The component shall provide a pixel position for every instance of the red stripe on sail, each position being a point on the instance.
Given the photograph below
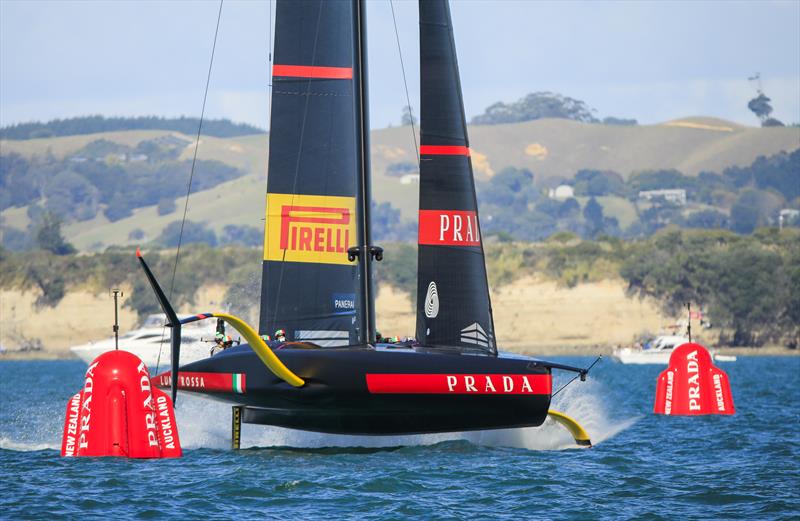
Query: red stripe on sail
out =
(443, 150)
(309, 71)
(459, 383)
(449, 228)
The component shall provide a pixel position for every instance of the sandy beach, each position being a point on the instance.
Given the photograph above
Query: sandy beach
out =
(532, 316)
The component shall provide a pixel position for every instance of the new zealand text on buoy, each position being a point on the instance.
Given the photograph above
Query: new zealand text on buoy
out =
(119, 413)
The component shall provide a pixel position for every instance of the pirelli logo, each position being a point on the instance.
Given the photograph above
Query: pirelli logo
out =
(309, 228)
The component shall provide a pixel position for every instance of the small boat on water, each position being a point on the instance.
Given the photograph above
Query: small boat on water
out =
(658, 351)
(152, 344)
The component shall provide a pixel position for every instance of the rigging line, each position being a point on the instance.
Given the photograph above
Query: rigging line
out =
(269, 78)
(266, 151)
(405, 83)
(191, 173)
(579, 375)
(564, 386)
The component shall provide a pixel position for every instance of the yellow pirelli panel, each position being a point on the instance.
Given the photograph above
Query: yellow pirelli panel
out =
(309, 228)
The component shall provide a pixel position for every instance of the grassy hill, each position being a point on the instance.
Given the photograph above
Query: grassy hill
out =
(553, 149)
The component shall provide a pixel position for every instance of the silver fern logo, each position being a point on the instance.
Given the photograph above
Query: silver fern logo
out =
(432, 301)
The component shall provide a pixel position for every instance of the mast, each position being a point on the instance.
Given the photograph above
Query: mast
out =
(363, 191)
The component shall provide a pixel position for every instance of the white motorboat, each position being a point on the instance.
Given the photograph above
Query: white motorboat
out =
(151, 343)
(658, 351)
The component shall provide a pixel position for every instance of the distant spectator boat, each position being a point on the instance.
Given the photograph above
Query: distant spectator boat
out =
(147, 341)
(658, 351)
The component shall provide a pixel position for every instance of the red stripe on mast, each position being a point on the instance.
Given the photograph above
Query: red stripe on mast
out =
(309, 71)
(443, 150)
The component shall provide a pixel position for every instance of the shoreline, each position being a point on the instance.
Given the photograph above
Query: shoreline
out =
(541, 351)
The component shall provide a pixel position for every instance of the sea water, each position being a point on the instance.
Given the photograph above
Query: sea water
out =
(745, 466)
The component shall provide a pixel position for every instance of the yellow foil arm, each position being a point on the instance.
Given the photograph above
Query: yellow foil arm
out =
(574, 428)
(263, 351)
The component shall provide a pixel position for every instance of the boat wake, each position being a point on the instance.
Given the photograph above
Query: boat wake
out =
(7, 443)
(200, 427)
(32, 428)
(206, 424)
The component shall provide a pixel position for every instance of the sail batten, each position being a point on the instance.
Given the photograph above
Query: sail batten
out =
(453, 306)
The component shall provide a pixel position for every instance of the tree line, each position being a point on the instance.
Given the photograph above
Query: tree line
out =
(538, 105)
(746, 285)
(740, 199)
(96, 124)
(103, 178)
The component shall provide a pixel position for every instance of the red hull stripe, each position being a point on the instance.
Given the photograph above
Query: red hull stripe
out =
(442, 150)
(208, 382)
(308, 71)
(459, 383)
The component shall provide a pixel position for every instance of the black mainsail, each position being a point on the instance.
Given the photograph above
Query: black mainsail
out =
(315, 188)
(453, 306)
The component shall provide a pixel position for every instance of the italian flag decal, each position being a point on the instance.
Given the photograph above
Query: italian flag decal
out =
(238, 383)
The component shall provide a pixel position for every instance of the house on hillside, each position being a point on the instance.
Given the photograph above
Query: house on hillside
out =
(671, 195)
(561, 192)
(788, 217)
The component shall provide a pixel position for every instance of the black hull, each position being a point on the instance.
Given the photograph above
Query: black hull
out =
(337, 399)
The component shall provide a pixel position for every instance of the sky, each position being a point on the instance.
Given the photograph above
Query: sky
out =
(649, 60)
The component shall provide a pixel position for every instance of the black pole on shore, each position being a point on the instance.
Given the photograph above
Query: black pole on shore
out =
(117, 293)
(689, 322)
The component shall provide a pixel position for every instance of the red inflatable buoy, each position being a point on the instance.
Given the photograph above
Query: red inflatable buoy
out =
(119, 413)
(692, 385)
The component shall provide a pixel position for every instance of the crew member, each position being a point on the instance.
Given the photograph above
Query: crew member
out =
(219, 343)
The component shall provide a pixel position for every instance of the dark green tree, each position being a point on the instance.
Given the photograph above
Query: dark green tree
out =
(193, 232)
(70, 195)
(408, 117)
(166, 205)
(708, 219)
(749, 211)
(50, 238)
(593, 213)
(599, 182)
(657, 180)
(537, 105)
(569, 208)
(760, 106)
(243, 235)
(750, 289)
